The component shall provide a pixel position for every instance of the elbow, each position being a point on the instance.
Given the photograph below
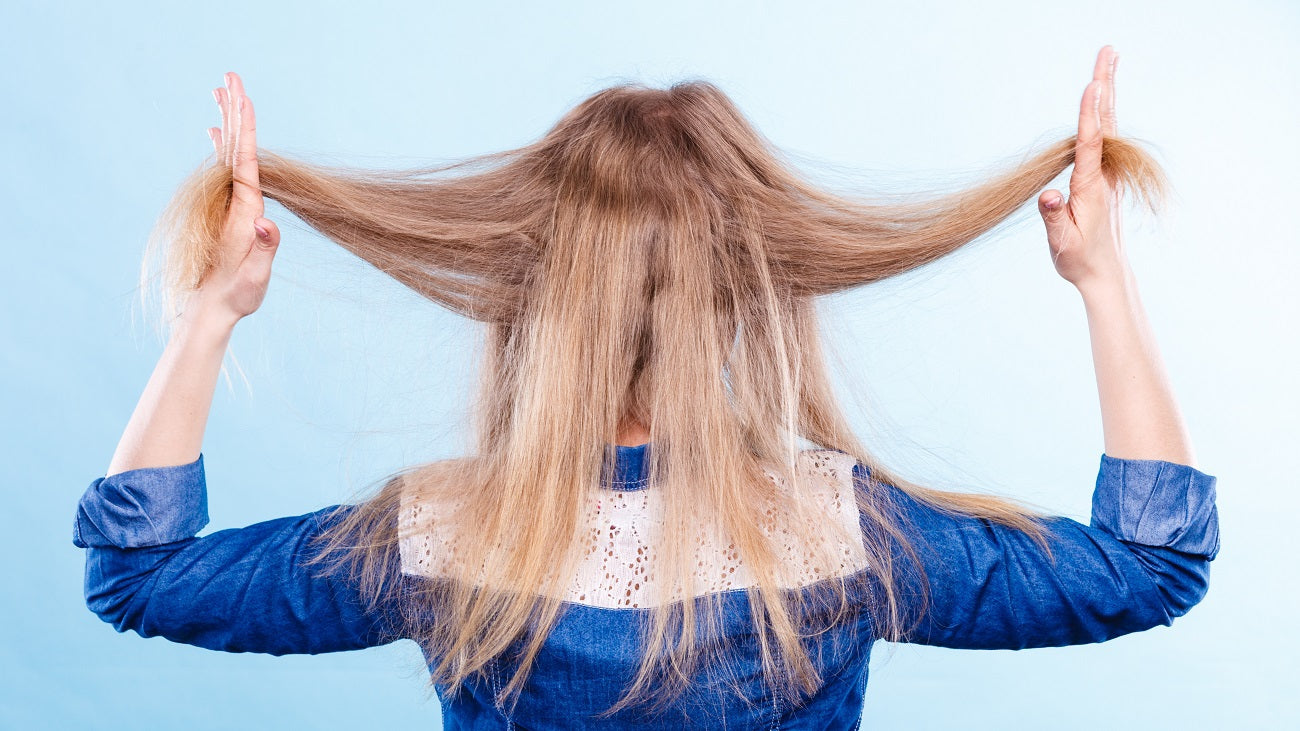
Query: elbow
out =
(109, 607)
(111, 594)
(1182, 579)
(1166, 515)
(1185, 587)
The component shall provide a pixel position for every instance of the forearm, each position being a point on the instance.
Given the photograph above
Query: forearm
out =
(167, 425)
(1140, 417)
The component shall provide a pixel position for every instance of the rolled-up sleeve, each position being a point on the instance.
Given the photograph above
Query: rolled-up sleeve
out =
(143, 507)
(235, 590)
(1142, 561)
(1156, 503)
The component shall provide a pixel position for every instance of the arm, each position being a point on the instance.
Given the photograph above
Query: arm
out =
(243, 590)
(166, 428)
(1142, 561)
(235, 590)
(1140, 417)
(1144, 558)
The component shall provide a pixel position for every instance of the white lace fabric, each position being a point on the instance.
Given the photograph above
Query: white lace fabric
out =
(621, 528)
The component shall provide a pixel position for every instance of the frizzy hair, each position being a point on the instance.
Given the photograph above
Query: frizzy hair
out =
(651, 257)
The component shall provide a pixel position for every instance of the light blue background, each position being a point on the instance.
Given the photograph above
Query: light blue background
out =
(975, 373)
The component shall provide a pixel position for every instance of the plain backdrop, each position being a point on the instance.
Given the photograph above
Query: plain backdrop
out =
(973, 373)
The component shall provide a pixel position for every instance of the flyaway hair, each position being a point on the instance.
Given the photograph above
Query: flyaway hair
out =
(651, 257)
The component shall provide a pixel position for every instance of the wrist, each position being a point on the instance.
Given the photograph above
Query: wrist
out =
(205, 322)
(1115, 281)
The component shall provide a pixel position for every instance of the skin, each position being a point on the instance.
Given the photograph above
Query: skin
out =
(632, 433)
(1140, 417)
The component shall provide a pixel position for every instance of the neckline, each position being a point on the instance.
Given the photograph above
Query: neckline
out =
(626, 467)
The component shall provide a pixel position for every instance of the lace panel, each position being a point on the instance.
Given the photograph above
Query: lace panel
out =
(621, 528)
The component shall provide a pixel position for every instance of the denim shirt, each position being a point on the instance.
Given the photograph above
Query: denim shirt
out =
(1142, 561)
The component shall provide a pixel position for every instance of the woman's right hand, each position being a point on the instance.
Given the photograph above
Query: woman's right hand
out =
(1085, 233)
(236, 285)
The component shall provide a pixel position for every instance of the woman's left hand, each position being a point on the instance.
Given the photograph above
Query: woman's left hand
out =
(236, 285)
(1085, 233)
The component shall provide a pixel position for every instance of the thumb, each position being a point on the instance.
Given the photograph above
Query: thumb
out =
(268, 234)
(263, 249)
(1051, 204)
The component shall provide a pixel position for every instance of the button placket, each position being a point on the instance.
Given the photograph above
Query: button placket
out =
(495, 680)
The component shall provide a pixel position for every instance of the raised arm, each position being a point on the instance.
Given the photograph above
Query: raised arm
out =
(1144, 557)
(241, 589)
(166, 428)
(1140, 417)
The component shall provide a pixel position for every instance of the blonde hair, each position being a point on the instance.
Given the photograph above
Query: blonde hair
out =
(650, 258)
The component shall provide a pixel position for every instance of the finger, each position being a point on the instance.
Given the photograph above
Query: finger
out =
(1109, 125)
(1086, 177)
(231, 130)
(263, 250)
(1101, 66)
(232, 111)
(247, 189)
(215, 132)
(222, 101)
(1051, 204)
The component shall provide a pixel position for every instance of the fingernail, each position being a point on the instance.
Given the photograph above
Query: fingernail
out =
(227, 79)
(1053, 204)
(217, 95)
(261, 231)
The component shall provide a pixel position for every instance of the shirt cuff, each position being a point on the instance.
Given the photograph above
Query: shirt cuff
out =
(149, 506)
(1157, 503)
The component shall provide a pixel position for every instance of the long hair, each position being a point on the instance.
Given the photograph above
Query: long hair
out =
(652, 257)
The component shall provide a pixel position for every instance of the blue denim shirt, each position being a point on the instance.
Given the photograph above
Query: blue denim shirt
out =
(1142, 561)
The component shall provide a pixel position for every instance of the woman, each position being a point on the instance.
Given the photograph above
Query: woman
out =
(667, 521)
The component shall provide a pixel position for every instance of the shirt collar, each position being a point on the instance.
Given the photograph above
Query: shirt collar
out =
(626, 468)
